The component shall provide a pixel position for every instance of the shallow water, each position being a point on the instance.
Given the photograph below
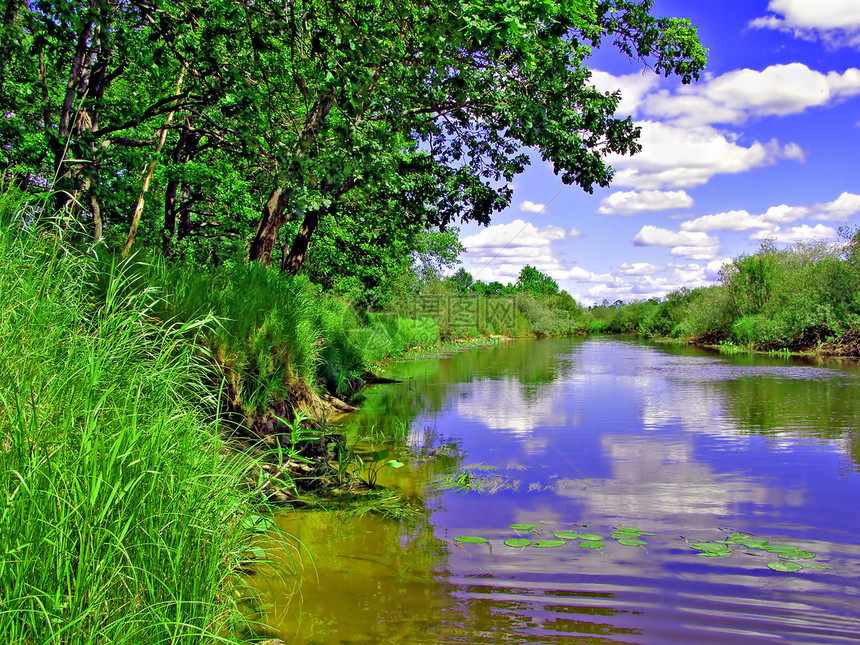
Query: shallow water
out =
(585, 436)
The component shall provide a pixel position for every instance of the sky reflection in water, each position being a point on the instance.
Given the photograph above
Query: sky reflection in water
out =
(600, 433)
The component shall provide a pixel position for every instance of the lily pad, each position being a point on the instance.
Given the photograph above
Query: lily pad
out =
(711, 547)
(715, 554)
(548, 544)
(257, 523)
(781, 565)
(517, 542)
(813, 566)
(625, 534)
(631, 542)
(471, 539)
(525, 527)
(592, 544)
(798, 555)
(589, 536)
(633, 529)
(567, 535)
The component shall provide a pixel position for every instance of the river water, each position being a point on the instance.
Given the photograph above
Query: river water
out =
(583, 436)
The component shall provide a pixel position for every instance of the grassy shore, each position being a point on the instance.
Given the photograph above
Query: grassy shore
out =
(120, 520)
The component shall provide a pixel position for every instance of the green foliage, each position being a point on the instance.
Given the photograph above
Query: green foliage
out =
(121, 515)
(533, 281)
(367, 134)
(799, 297)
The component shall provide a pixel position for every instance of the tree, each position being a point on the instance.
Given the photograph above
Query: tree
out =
(453, 90)
(533, 281)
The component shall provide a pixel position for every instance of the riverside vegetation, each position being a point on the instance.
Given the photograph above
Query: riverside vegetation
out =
(802, 298)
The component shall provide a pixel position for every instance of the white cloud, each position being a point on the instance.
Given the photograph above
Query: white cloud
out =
(784, 214)
(654, 236)
(796, 234)
(532, 207)
(629, 202)
(578, 274)
(739, 95)
(729, 221)
(679, 157)
(836, 22)
(633, 88)
(839, 210)
(575, 234)
(688, 244)
(500, 251)
(639, 268)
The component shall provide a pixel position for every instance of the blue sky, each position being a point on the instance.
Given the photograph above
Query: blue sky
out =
(764, 146)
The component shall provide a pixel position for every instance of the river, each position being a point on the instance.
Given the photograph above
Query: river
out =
(736, 478)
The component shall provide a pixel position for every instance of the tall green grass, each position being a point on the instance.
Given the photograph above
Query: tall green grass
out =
(118, 521)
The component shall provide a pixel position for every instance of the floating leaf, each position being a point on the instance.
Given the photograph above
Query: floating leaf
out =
(257, 523)
(525, 527)
(393, 463)
(738, 536)
(471, 539)
(716, 554)
(813, 566)
(753, 543)
(798, 555)
(626, 534)
(631, 542)
(517, 542)
(592, 544)
(589, 536)
(710, 547)
(548, 544)
(567, 535)
(781, 565)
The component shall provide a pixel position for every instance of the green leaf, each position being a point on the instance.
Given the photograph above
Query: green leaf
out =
(548, 544)
(567, 535)
(393, 463)
(798, 555)
(631, 542)
(711, 547)
(525, 527)
(517, 542)
(781, 565)
(256, 552)
(588, 536)
(471, 539)
(592, 544)
(257, 523)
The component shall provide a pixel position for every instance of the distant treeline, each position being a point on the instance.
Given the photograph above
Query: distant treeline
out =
(797, 298)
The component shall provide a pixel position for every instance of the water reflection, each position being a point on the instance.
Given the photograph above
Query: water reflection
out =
(687, 444)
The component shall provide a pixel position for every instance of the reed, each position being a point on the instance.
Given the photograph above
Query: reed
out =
(119, 511)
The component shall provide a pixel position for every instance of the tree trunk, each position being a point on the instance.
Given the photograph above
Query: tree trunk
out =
(274, 216)
(138, 209)
(293, 262)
